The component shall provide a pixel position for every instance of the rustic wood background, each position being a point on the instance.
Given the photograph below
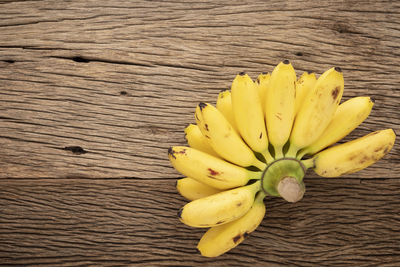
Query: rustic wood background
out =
(92, 93)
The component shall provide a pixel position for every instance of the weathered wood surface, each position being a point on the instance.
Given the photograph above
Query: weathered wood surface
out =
(92, 93)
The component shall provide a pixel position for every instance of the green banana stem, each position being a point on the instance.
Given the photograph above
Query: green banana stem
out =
(301, 154)
(260, 165)
(284, 177)
(268, 157)
(292, 152)
(308, 163)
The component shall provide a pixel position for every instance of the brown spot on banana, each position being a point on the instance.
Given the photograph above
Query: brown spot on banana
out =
(202, 105)
(260, 135)
(171, 152)
(237, 238)
(386, 150)
(180, 213)
(206, 127)
(335, 93)
(213, 172)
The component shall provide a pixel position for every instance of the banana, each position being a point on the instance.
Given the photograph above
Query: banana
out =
(262, 83)
(223, 138)
(191, 189)
(197, 140)
(208, 169)
(226, 176)
(304, 85)
(317, 110)
(280, 105)
(248, 114)
(348, 116)
(354, 155)
(220, 239)
(220, 208)
(224, 105)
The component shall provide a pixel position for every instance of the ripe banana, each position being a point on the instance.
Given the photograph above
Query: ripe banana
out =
(224, 105)
(348, 116)
(224, 168)
(220, 208)
(208, 169)
(280, 105)
(248, 114)
(304, 85)
(197, 140)
(223, 139)
(354, 155)
(220, 239)
(317, 110)
(262, 83)
(192, 189)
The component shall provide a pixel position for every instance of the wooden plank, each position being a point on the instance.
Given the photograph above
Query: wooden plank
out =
(92, 93)
(74, 222)
(121, 79)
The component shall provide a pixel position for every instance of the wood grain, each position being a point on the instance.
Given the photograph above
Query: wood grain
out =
(92, 93)
(119, 222)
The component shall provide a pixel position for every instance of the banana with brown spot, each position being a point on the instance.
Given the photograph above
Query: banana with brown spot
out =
(317, 110)
(354, 155)
(220, 239)
(208, 169)
(280, 105)
(220, 208)
(348, 116)
(223, 138)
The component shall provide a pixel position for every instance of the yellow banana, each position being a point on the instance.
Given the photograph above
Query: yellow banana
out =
(280, 105)
(208, 169)
(224, 105)
(220, 239)
(223, 138)
(262, 83)
(317, 110)
(220, 208)
(197, 140)
(354, 155)
(348, 116)
(248, 114)
(304, 85)
(191, 189)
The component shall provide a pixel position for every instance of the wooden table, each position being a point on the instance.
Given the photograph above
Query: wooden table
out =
(92, 94)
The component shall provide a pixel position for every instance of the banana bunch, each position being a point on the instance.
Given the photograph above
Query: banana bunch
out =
(259, 140)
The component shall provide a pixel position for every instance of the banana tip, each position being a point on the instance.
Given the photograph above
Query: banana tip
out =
(338, 69)
(180, 213)
(202, 105)
(286, 62)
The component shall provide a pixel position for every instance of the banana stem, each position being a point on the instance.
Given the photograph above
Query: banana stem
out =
(292, 151)
(278, 152)
(260, 165)
(308, 163)
(301, 154)
(284, 177)
(290, 189)
(260, 196)
(268, 156)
